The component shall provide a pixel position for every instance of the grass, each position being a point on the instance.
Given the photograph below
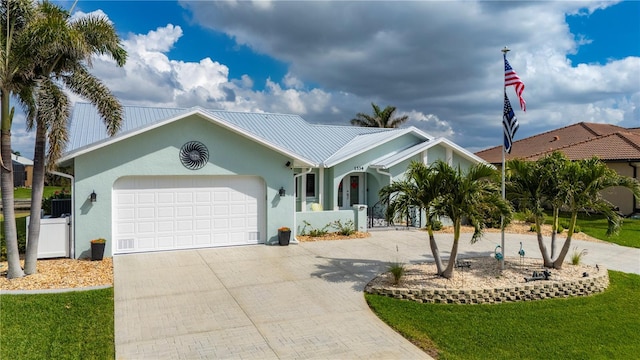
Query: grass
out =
(25, 193)
(596, 226)
(603, 326)
(74, 325)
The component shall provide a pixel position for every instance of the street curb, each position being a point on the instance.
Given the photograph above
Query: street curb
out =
(52, 291)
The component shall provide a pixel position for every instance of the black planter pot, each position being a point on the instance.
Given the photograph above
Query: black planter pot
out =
(284, 237)
(97, 251)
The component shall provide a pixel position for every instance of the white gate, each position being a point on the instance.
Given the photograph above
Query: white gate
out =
(54, 237)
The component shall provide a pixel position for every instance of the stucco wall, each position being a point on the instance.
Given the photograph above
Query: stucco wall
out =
(620, 196)
(155, 152)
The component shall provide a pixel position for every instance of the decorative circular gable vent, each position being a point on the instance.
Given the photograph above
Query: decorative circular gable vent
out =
(194, 155)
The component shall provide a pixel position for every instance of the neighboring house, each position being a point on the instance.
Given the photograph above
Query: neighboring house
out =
(189, 178)
(22, 171)
(618, 147)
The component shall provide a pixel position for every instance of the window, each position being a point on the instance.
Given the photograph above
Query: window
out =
(310, 187)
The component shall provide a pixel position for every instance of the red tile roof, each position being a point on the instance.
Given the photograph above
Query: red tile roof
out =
(577, 141)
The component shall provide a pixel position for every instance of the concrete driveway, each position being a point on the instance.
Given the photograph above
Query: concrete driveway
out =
(270, 302)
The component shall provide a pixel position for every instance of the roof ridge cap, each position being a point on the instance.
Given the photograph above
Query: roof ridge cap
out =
(569, 145)
(618, 133)
(622, 135)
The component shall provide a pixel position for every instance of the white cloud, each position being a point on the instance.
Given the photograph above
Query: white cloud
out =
(438, 62)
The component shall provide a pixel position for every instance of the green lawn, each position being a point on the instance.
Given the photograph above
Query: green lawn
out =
(596, 226)
(25, 193)
(603, 326)
(74, 325)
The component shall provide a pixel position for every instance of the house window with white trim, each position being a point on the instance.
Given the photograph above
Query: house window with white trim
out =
(310, 186)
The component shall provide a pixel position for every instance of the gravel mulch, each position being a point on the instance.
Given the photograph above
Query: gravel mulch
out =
(61, 274)
(483, 273)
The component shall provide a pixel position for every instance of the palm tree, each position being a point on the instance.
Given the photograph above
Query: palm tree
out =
(555, 174)
(583, 193)
(64, 53)
(557, 182)
(381, 119)
(525, 187)
(441, 190)
(420, 188)
(16, 78)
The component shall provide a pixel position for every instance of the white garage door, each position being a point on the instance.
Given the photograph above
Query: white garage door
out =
(183, 212)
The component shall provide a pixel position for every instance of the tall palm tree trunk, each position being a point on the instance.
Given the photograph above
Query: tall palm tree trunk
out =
(37, 191)
(434, 250)
(547, 262)
(448, 272)
(557, 263)
(6, 180)
(554, 230)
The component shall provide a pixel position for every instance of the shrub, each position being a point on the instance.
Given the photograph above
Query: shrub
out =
(576, 257)
(576, 229)
(560, 229)
(46, 202)
(532, 228)
(436, 225)
(313, 232)
(529, 216)
(21, 227)
(397, 270)
(347, 229)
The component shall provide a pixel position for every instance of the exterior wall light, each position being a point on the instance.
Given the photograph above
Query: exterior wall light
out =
(282, 192)
(93, 197)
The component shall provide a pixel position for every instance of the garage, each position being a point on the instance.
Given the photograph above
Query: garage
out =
(155, 213)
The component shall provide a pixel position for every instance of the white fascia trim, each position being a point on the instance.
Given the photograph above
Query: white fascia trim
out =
(332, 163)
(416, 150)
(461, 151)
(429, 144)
(194, 111)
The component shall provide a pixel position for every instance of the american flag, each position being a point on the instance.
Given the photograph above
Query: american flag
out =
(511, 78)
(510, 123)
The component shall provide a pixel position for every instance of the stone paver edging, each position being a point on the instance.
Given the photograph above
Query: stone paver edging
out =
(537, 290)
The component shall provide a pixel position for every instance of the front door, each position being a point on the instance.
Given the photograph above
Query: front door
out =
(351, 191)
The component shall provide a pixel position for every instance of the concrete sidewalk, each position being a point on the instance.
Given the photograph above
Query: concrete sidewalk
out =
(301, 301)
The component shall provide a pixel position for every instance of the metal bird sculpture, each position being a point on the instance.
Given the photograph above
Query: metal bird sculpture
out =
(521, 252)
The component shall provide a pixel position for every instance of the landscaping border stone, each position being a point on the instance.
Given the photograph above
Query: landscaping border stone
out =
(529, 291)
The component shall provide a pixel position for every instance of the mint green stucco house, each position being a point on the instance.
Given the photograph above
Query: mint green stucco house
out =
(190, 178)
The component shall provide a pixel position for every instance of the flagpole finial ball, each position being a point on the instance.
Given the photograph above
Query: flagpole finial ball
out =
(505, 50)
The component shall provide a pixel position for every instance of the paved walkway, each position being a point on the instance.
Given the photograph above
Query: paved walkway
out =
(269, 302)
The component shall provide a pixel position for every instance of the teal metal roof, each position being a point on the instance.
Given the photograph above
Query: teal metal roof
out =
(321, 144)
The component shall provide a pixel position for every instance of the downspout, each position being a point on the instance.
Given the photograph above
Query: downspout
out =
(72, 235)
(295, 179)
(384, 173)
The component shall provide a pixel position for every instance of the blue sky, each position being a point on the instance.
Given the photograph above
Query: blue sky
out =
(438, 62)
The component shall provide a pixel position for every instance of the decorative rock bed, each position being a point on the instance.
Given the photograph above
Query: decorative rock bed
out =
(508, 285)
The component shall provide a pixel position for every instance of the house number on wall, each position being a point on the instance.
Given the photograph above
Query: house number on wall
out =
(358, 168)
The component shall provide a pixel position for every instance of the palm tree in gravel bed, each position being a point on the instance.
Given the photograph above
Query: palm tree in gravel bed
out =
(443, 191)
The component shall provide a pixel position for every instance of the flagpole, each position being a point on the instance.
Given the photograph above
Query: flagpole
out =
(505, 50)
